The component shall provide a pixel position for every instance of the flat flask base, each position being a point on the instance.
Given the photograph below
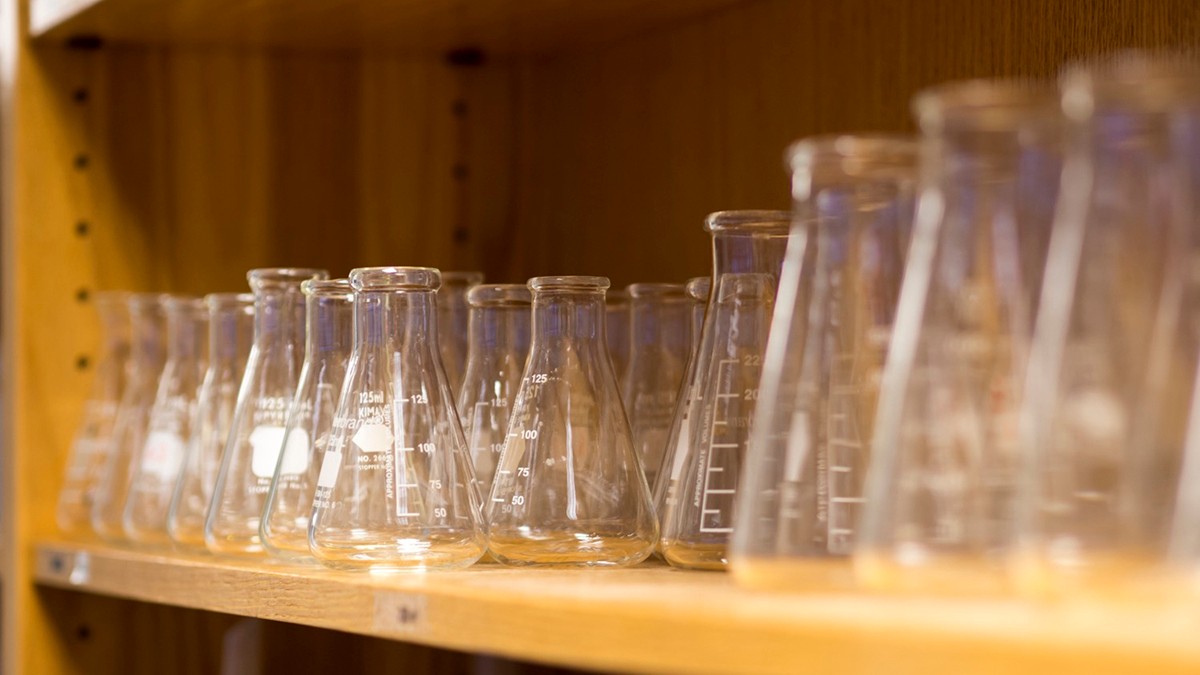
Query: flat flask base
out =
(290, 549)
(1114, 576)
(695, 556)
(794, 575)
(400, 556)
(954, 576)
(569, 549)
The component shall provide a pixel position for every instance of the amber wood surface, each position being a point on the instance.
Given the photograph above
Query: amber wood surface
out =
(651, 618)
(413, 26)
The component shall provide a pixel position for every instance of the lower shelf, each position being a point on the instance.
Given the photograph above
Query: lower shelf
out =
(650, 618)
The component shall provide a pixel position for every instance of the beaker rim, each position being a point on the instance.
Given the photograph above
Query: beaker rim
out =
(220, 300)
(568, 283)
(1143, 80)
(499, 295)
(652, 289)
(694, 286)
(455, 278)
(395, 278)
(750, 221)
(282, 277)
(179, 303)
(985, 105)
(855, 155)
(327, 288)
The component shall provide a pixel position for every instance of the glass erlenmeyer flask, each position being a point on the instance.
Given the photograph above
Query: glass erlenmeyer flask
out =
(330, 318)
(396, 490)
(230, 334)
(453, 313)
(748, 252)
(157, 462)
(944, 458)
(801, 492)
(256, 435)
(569, 489)
(675, 449)
(661, 341)
(147, 356)
(499, 328)
(1109, 382)
(616, 305)
(94, 438)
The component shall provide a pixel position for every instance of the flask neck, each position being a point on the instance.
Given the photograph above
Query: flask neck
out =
(402, 318)
(228, 336)
(981, 156)
(746, 253)
(499, 329)
(660, 324)
(576, 316)
(185, 332)
(330, 325)
(278, 317)
(146, 331)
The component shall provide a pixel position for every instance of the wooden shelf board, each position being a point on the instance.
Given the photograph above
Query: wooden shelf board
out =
(650, 618)
(419, 26)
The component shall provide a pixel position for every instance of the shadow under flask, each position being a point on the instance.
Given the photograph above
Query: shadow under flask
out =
(147, 356)
(660, 329)
(499, 326)
(330, 317)
(396, 490)
(675, 448)
(172, 420)
(1111, 376)
(748, 251)
(943, 473)
(256, 435)
(569, 489)
(93, 440)
(453, 312)
(230, 334)
(802, 487)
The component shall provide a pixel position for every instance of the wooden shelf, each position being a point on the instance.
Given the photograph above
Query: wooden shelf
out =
(496, 26)
(651, 618)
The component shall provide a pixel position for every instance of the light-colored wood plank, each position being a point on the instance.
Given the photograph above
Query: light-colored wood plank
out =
(412, 26)
(652, 618)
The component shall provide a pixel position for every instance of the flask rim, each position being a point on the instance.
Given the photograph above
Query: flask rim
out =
(184, 303)
(499, 295)
(985, 105)
(456, 279)
(656, 290)
(327, 288)
(749, 221)
(569, 283)
(395, 279)
(1148, 81)
(854, 155)
(216, 301)
(109, 298)
(146, 301)
(267, 278)
(694, 286)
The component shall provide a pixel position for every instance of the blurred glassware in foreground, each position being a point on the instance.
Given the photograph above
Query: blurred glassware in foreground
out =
(569, 488)
(230, 334)
(499, 345)
(147, 356)
(94, 437)
(256, 435)
(1114, 362)
(675, 445)
(802, 487)
(940, 489)
(396, 490)
(617, 331)
(748, 252)
(661, 341)
(453, 313)
(155, 465)
(329, 339)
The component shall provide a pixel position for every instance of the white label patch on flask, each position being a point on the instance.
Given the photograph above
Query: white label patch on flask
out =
(373, 438)
(162, 454)
(295, 453)
(330, 466)
(265, 442)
